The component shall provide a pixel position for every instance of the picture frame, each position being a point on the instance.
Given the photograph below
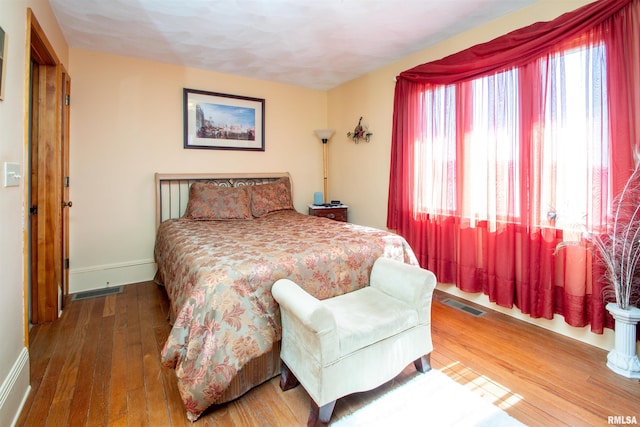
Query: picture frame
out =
(3, 60)
(220, 121)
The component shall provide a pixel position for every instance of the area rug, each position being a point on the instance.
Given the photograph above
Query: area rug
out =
(430, 399)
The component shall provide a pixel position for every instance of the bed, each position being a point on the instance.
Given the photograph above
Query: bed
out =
(221, 243)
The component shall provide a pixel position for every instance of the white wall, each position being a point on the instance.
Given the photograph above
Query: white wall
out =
(14, 372)
(14, 359)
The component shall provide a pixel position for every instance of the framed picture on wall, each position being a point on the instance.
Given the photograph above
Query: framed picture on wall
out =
(220, 121)
(3, 60)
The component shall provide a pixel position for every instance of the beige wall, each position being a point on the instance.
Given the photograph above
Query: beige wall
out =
(126, 124)
(359, 174)
(14, 359)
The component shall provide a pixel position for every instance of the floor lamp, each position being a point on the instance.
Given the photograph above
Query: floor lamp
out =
(324, 135)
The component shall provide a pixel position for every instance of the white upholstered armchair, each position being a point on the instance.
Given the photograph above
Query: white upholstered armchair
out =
(356, 341)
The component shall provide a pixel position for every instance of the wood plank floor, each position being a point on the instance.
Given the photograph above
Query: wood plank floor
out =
(99, 364)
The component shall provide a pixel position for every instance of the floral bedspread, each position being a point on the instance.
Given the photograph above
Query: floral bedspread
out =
(218, 276)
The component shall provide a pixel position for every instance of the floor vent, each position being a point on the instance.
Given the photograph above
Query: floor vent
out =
(463, 307)
(97, 293)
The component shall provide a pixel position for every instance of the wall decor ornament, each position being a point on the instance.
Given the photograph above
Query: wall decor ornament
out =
(360, 133)
(221, 121)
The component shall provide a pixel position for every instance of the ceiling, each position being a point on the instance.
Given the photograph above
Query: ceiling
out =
(318, 44)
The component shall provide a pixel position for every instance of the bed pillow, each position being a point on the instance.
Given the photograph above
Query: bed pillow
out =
(208, 201)
(272, 197)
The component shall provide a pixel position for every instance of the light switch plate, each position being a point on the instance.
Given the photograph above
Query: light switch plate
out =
(12, 174)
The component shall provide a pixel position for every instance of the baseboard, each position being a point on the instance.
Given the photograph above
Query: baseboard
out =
(557, 324)
(15, 390)
(104, 276)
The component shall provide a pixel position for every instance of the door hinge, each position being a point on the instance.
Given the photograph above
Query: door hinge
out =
(67, 100)
(33, 210)
(66, 263)
(66, 181)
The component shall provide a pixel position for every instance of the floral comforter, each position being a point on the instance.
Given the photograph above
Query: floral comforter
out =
(218, 276)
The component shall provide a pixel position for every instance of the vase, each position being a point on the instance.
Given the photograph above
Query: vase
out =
(623, 359)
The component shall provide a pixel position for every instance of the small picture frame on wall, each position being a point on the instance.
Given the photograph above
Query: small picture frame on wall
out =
(3, 60)
(220, 121)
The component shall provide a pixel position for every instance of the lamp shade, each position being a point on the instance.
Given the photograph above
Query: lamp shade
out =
(324, 134)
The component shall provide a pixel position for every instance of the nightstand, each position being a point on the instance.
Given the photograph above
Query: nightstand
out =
(335, 212)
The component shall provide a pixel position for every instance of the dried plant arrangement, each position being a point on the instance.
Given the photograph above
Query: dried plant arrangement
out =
(619, 247)
(618, 251)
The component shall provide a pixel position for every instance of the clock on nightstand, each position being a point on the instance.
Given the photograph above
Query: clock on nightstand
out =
(335, 212)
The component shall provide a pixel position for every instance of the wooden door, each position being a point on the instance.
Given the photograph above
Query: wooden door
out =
(34, 311)
(45, 171)
(65, 180)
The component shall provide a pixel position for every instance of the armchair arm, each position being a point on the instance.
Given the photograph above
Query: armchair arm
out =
(306, 317)
(306, 308)
(408, 283)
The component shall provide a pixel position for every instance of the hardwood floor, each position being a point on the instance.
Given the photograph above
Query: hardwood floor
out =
(99, 364)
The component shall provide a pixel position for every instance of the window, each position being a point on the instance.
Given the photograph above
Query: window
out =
(575, 138)
(498, 150)
(479, 130)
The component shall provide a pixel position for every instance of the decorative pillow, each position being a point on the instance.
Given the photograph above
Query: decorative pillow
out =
(267, 198)
(208, 201)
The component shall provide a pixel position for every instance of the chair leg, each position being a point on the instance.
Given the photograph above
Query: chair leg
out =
(321, 414)
(287, 379)
(423, 364)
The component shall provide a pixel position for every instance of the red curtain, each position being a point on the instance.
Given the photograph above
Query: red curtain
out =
(516, 48)
(513, 258)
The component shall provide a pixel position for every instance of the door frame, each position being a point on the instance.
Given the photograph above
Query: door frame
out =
(45, 288)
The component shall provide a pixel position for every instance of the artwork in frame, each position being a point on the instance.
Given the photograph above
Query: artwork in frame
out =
(221, 121)
(3, 60)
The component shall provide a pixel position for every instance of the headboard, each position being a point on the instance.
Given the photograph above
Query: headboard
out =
(172, 189)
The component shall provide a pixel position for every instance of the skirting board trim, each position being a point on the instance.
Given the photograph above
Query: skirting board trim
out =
(17, 382)
(110, 275)
(111, 266)
(557, 324)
